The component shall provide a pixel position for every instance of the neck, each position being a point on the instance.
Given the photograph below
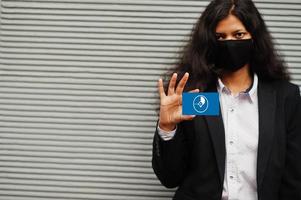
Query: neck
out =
(237, 81)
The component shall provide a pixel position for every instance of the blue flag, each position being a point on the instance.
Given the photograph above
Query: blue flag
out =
(204, 103)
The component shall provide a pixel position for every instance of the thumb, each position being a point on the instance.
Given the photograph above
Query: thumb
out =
(194, 91)
(188, 117)
(191, 91)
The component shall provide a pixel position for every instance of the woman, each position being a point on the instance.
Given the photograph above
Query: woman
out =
(252, 150)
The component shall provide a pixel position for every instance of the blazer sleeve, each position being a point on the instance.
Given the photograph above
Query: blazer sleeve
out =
(169, 159)
(291, 181)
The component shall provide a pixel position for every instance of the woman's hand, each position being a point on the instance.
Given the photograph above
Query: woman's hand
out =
(171, 104)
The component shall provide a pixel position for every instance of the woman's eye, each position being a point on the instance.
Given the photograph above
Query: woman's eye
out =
(219, 37)
(239, 35)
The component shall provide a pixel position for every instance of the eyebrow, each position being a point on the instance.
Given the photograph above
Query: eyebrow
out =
(239, 30)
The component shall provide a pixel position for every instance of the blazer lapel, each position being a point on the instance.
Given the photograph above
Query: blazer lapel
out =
(217, 132)
(216, 129)
(266, 109)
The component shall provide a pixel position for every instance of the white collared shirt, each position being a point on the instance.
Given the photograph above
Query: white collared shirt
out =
(240, 118)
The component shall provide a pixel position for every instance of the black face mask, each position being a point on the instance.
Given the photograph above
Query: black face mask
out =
(232, 55)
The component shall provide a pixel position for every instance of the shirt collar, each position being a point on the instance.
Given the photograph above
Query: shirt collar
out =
(249, 92)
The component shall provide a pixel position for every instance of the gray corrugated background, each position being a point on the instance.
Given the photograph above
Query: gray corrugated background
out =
(78, 91)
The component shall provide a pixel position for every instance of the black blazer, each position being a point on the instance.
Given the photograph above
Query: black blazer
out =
(194, 160)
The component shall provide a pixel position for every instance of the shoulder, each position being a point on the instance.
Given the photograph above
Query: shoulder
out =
(282, 88)
(286, 85)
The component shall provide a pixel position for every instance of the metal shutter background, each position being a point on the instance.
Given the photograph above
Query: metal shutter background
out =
(78, 91)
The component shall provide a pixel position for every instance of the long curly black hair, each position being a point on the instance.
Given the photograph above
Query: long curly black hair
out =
(197, 58)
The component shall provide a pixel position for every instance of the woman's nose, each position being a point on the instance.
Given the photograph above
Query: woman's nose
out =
(230, 38)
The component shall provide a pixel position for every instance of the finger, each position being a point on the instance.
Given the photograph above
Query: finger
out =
(172, 83)
(161, 88)
(181, 100)
(182, 83)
